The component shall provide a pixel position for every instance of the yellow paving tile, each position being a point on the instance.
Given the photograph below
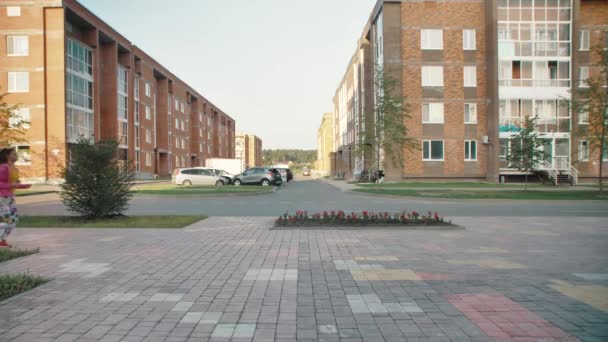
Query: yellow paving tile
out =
(385, 275)
(499, 264)
(377, 258)
(488, 250)
(593, 295)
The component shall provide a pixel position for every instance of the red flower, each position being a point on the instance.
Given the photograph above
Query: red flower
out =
(415, 214)
(436, 216)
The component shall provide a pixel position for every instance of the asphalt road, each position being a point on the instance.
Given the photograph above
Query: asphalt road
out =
(316, 196)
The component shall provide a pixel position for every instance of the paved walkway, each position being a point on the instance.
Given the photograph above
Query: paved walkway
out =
(233, 279)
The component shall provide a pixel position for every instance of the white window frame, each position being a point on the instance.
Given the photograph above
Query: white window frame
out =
(176, 123)
(431, 72)
(176, 104)
(23, 117)
(13, 11)
(472, 107)
(431, 151)
(584, 39)
(584, 114)
(148, 113)
(436, 113)
(469, 149)
(583, 76)
(19, 50)
(183, 125)
(469, 76)
(20, 161)
(148, 159)
(469, 37)
(182, 108)
(148, 136)
(431, 39)
(13, 77)
(148, 89)
(580, 150)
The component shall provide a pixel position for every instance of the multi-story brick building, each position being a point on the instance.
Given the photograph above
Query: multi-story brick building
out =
(470, 72)
(249, 150)
(325, 143)
(75, 76)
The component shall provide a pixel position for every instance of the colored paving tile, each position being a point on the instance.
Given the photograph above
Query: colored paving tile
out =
(488, 250)
(166, 297)
(371, 303)
(271, 274)
(592, 276)
(119, 297)
(501, 318)
(593, 295)
(499, 264)
(436, 276)
(377, 258)
(384, 275)
(353, 265)
(182, 306)
(234, 331)
(79, 266)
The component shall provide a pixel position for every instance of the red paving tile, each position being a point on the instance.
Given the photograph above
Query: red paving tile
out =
(503, 319)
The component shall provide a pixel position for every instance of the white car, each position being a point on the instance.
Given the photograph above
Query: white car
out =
(196, 176)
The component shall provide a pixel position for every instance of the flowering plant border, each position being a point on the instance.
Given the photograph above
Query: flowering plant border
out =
(339, 218)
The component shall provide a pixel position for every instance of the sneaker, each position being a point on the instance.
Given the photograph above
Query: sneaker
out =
(3, 243)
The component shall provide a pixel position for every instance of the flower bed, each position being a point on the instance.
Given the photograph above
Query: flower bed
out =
(338, 218)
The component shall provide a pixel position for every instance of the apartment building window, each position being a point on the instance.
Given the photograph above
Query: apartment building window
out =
(137, 161)
(470, 76)
(200, 147)
(137, 137)
(136, 109)
(123, 105)
(13, 11)
(431, 39)
(18, 81)
(470, 113)
(24, 154)
(183, 125)
(182, 107)
(79, 58)
(148, 113)
(148, 159)
(504, 149)
(432, 150)
(17, 45)
(583, 77)
(148, 136)
(584, 40)
(176, 104)
(176, 142)
(183, 144)
(200, 132)
(468, 40)
(148, 89)
(136, 88)
(176, 123)
(470, 150)
(583, 150)
(21, 117)
(432, 76)
(583, 116)
(432, 113)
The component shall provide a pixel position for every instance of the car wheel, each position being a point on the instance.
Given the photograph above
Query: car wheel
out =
(265, 182)
(187, 183)
(219, 183)
(237, 182)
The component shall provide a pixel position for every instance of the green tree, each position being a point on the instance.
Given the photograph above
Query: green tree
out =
(525, 153)
(97, 184)
(593, 100)
(12, 126)
(390, 134)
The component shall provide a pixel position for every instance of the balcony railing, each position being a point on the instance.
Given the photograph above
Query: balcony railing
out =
(544, 125)
(534, 83)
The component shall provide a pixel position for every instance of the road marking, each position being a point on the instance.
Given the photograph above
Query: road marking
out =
(583, 211)
(286, 202)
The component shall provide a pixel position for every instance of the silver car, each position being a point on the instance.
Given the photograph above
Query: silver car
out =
(196, 176)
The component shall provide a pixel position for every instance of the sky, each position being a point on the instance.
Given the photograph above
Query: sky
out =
(272, 65)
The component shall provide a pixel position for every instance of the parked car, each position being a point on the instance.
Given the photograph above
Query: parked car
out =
(284, 169)
(196, 176)
(259, 175)
(283, 173)
(224, 175)
(305, 172)
(289, 175)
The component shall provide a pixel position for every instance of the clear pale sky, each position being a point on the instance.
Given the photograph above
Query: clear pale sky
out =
(273, 65)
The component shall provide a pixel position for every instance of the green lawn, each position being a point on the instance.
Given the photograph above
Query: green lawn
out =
(7, 254)
(442, 185)
(11, 285)
(173, 190)
(489, 194)
(176, 222)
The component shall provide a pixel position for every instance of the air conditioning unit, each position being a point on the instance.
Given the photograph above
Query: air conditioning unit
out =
(485, 140)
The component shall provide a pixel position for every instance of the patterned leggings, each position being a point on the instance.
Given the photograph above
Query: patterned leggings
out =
(8, 216)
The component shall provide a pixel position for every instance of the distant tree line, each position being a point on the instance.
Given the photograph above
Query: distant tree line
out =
(285, 156)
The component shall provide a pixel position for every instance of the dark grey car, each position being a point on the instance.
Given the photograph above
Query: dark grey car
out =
(259, 176)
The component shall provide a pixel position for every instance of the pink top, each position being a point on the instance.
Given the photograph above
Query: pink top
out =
(5, 183)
